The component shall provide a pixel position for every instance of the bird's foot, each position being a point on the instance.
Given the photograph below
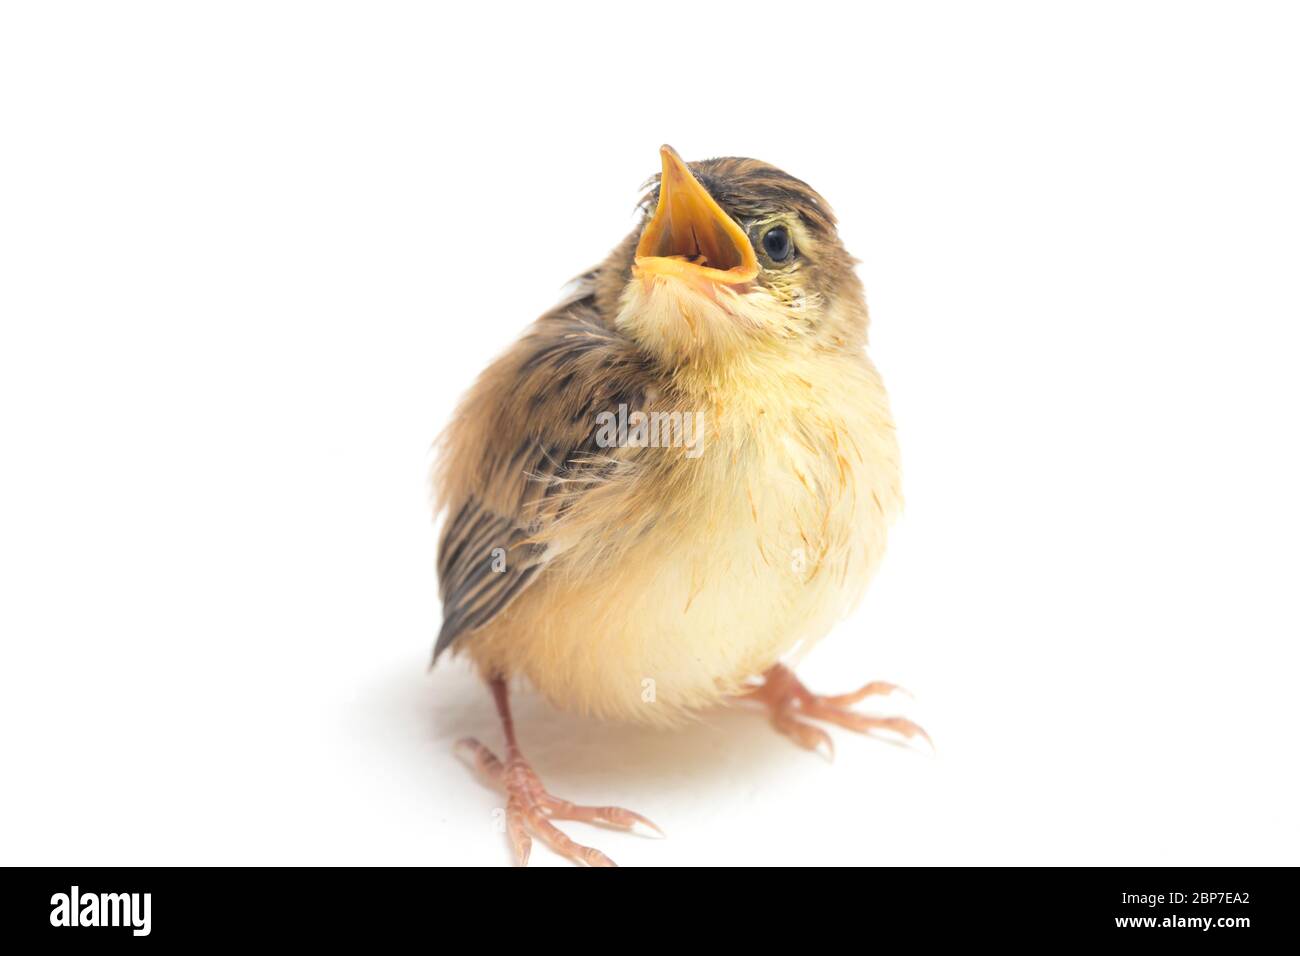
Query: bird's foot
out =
(790, 702)
(530, 807)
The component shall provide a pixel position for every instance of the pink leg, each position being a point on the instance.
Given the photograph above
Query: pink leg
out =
(530, 807)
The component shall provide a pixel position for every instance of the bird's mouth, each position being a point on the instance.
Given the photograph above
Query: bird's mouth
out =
(690, 236)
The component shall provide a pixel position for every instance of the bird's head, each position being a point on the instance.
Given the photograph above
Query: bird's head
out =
(734, 259)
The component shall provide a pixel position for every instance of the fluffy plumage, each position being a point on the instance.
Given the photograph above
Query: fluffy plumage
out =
(644, 583)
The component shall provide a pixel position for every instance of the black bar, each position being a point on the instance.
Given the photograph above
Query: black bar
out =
(1221, 907)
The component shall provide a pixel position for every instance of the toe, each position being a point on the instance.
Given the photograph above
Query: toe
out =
(806, 735)
(558, 841)
(874, 689)
(865, 723)
(484, 761)
(618, 817)
(517, 829)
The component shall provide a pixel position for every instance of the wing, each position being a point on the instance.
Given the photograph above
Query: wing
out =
(521, 454)
(485, 560)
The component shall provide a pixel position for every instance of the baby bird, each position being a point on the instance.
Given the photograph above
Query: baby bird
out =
(673, 480)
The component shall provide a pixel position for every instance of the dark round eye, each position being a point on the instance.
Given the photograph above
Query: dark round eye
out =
(777, 244)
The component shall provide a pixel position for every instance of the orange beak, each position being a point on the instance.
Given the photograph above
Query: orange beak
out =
(690, 236)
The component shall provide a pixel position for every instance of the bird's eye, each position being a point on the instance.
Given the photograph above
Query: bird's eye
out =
(777, 244)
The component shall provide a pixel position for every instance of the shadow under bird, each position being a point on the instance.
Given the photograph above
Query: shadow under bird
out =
(673, 481)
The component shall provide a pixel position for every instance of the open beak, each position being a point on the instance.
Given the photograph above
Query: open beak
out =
(689, 235)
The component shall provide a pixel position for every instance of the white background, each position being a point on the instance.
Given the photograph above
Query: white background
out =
(250, 254)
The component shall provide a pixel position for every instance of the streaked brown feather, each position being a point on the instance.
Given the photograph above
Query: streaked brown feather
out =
(509, 491)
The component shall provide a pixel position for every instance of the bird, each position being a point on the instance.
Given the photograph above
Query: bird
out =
(675, 482)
